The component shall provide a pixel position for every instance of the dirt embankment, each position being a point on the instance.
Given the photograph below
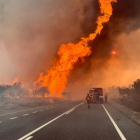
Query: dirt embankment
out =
(130, 108)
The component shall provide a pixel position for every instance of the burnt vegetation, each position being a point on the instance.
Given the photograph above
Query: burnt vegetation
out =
(17, 91)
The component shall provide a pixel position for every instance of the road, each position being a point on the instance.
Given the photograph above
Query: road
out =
(68, 121)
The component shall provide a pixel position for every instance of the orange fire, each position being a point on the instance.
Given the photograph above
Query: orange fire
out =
(15, 80)
(57, 77)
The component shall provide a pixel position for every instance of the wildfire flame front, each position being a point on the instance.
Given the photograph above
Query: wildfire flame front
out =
(57, 77)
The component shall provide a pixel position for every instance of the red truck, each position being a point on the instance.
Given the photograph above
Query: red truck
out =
(96, 95)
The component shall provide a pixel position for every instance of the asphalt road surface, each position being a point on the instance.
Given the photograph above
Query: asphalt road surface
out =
(68, 121)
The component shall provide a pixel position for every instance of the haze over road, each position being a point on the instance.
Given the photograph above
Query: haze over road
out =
(68, 121)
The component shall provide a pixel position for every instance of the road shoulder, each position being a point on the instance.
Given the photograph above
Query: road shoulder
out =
(133, 115)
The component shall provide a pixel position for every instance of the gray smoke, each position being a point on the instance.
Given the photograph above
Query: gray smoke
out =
(121, 33)
(32, 31)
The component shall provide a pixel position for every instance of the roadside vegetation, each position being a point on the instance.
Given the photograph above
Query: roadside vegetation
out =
(18, 91)
(17, 96)
(131, 95)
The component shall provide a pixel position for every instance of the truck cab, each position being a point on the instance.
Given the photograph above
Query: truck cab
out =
(96, 95)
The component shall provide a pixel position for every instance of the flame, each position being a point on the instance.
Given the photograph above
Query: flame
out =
(15, 80)
(57, 76)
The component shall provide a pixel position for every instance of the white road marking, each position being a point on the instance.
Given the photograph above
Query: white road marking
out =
(69, 111)
(115, 125)
(35, 112)
(22, 138)
(29, 138)
(13, 118)
(0, 121)
(25, 114)
(42, 110)
(19, 111)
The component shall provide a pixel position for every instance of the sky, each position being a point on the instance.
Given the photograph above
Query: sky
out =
(31, 32)
(8, 70)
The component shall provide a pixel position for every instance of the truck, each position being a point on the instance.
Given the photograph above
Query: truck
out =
(96, 93)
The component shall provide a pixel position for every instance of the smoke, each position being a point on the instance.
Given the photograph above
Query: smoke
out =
(121, 33)
(32, 31)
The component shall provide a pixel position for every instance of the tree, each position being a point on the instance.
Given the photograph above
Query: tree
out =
(123, 91)
(41, 91)
(136, 86)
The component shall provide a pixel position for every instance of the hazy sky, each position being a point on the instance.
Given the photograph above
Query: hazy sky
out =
(8, 70)
(31, 32)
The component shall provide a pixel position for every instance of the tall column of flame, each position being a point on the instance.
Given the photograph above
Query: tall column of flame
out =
(57, 77)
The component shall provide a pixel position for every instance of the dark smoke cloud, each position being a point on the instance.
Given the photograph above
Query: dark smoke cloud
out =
(32, 30)
(125, 19)
(102, 68)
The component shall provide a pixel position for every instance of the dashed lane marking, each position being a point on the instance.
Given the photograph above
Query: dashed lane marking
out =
(32, 132)
(115, 125)
(25, 114)
(13, 118)
(20, 111)
(35, 112)
(70, 111)
(29, 138)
